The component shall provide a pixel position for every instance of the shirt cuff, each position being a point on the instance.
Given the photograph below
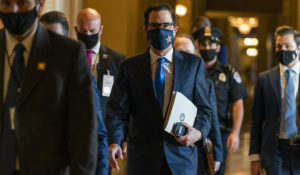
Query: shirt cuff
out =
(254, 157)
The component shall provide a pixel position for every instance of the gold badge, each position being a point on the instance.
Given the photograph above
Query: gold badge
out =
(222, 77)
(105, 56)
(41, 66)
(207, 31)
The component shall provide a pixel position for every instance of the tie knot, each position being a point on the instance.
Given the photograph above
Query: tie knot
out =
(89, 52)
(19, 48)
(289, 72)
(161, 60)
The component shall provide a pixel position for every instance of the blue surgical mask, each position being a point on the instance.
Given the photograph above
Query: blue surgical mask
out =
(160, 38)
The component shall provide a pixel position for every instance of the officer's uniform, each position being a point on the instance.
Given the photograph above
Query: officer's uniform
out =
(228, 88)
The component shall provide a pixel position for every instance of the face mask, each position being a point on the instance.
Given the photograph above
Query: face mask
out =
(89, 40)
(18, 23)
(160, 39)
(285, 57)
(208, 55)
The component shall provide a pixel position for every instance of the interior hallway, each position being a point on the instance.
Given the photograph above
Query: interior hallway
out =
(238, 163)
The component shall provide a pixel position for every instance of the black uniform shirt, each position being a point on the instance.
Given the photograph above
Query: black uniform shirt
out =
(228, 88)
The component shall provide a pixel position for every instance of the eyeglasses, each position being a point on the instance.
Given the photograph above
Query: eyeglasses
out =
(166, 25)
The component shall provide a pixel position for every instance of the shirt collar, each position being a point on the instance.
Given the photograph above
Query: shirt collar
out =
(11, 42)
(168, 56)
(96, 48)
(295, 68)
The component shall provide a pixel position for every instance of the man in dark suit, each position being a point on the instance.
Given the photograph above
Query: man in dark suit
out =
(58, 22)
(143, 89)
(185, 43)
(47, 109)
(275, 125)
(103, 60)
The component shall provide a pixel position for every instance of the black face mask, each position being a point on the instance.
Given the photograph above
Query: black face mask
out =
(285, 57)
(89, 40)
(208, 55)
(19, 23)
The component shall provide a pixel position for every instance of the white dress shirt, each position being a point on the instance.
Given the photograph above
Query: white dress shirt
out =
(168, 70)
(283, 78)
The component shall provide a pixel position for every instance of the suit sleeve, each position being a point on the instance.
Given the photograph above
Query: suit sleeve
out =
(81, 121)
(257, 118)
(215, 134)
(203, 118)
(102, 162)
(117, 109)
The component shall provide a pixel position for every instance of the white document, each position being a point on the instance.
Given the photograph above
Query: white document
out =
(181, 109)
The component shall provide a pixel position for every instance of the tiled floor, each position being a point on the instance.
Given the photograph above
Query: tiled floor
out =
(238, 162)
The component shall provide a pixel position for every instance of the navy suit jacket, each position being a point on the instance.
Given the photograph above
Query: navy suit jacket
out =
(102, 165)
(109, 60)
(266, 116)
(133, 93)
(215, 133)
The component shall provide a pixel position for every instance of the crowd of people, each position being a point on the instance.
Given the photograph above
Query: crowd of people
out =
(74, 107)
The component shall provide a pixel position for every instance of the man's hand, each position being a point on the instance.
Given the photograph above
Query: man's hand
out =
(255, 168)
(125, 149)
(217, 166)
(114, 149)
(233, 142)
(192, 135)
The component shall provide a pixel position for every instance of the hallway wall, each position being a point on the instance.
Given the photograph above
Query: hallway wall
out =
(120, 21)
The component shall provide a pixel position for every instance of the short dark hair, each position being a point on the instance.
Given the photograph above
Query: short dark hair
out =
(201, 22)
(186, 36)
(159, 7)
(287, 30)
(56, 17)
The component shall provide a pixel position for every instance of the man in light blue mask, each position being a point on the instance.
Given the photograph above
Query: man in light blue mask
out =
(143, 89)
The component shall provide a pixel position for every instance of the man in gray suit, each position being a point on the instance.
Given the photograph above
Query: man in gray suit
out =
(47, 109)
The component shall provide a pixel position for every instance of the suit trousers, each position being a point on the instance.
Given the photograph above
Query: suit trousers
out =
(164, 169)
(224, 137)
(286, 161)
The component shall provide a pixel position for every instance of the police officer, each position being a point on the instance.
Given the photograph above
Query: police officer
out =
(229, 90)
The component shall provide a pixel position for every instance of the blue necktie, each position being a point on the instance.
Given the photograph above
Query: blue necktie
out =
(160, 82)
(8, 146)
(290, 106)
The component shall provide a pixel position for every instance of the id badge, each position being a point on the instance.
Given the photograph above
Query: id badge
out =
(108, 82)
(12, 113)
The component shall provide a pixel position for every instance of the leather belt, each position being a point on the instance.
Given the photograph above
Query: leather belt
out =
(291, 142)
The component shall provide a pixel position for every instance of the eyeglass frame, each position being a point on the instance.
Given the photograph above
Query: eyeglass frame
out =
(160, 25)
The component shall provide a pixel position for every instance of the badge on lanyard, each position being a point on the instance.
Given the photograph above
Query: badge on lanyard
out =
(108, 82)
(12, 113)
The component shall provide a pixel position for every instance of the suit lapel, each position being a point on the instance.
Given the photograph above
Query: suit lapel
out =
(39, 54)
(2, 57)
(146, 76)
(276, 85)
(178, 67)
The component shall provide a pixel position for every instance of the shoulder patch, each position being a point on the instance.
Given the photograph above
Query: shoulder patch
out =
(237, 77)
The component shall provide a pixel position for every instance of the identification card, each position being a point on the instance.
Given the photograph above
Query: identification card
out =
(108, 82)
(12, 112)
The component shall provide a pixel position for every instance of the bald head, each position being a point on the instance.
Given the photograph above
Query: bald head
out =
(184, 43)
(88, 22)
